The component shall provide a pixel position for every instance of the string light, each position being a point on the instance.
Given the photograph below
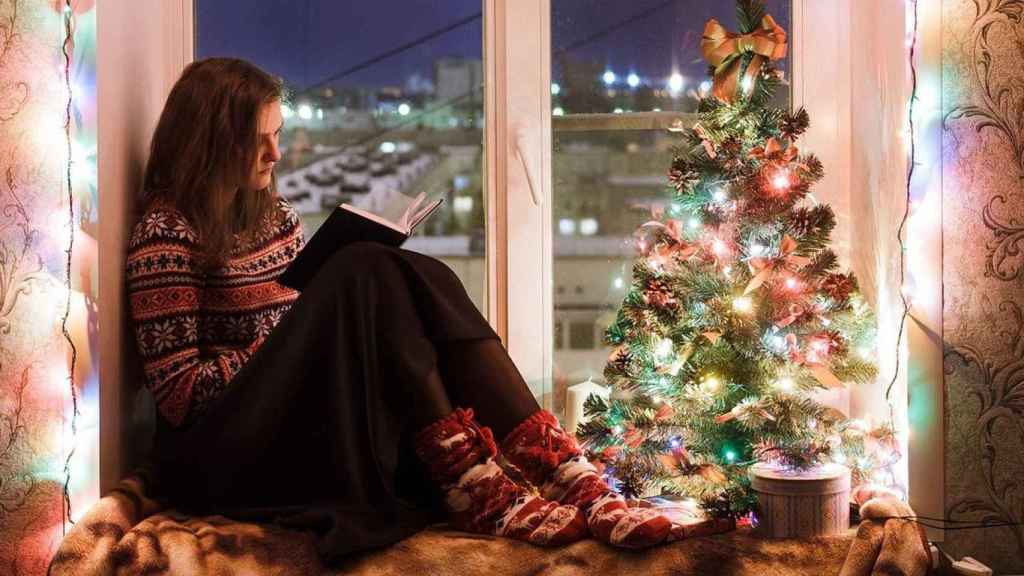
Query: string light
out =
(791, 283)
(743, 304)
(781, 180)
(694, 223)
(664, 347)
(719, 195)
(712, 383)
(785, 384)
(730, 456)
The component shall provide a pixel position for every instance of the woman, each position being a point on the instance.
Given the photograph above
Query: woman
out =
(349, 409)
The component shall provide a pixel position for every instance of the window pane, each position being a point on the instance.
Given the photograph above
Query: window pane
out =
(611, 152)
(378, 112)
(610, 56)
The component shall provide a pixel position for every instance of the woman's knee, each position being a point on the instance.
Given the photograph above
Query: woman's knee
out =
(362, 258)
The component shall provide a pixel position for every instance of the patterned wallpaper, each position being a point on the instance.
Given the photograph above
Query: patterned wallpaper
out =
(40, 456)
(983, 274)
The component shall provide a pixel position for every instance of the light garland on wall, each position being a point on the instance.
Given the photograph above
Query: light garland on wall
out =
(68, 20)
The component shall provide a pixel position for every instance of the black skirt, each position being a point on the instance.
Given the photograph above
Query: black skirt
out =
(315, 432)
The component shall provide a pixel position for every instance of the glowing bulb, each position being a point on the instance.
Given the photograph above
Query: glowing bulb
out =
(719, 195)
(705, 86)
(791, 283)
(617, 429)
(664, 347)
(743, 304)
(812, 423)
(826, 322)
(719, 248)
(674, 443)
(617, 111)
(617, 283)
(757, 250)
(730, 456)
(694, 223)
(608, 77)
(712, 383)
(785, 384)
(555, 89)
(675, 82)
(305, 111)
(781, 180)
(727, 271)
(404, 109)
(633, 80)
(839, 458)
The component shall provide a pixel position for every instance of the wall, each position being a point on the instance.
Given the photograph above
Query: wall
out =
(983, 274)
(48, 226)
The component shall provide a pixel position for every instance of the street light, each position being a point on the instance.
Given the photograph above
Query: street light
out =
(403, 109)
(305, 111)
(675, 82)
(609, 77)
(633, 80)
(555, 89)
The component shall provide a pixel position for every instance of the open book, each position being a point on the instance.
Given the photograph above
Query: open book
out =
(348, 224)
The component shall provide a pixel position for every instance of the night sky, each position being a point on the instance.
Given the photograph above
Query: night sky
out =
(308, 41)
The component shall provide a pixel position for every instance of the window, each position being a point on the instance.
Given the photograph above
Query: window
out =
(376, 113)
(621, 73)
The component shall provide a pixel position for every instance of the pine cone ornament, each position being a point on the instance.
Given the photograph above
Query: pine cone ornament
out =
(620, 359)
(801, 223)
(682, 177)
(659, 294)
(732, 153)
(839, 287)
(795, 124)
(837, 345)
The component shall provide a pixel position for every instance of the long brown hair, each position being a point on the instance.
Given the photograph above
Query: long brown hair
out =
(206, 141)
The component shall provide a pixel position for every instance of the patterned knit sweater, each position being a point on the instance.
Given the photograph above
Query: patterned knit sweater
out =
(196, 329)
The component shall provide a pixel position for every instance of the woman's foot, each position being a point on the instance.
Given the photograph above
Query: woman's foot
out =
(479, 495)
(550, 458)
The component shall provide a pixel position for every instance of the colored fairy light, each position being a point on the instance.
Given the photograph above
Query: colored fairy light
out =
(743, 304)
(781, 180)
(664, 347)
(785, 384)
(674, 442)
(730, 455)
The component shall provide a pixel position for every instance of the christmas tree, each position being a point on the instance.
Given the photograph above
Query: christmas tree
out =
(737, 310)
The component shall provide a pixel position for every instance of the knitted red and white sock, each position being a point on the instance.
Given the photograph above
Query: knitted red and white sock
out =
(550, 458)
(480, 496)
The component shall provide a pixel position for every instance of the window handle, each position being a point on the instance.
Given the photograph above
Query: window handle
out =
(537, 200)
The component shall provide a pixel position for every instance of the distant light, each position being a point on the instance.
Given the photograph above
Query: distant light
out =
(557, 111)
(618, 283)
(388, 147)
(617, 110)
(319, 113)
(675, 82)
(404, 109)
(567, 226)
(588, 226)
(633, 80)
(460, 182)
(305, 111)
(286, 111)
(609, 77)
(655, 109)
(555, 89)
(705, 86)
(463, 204)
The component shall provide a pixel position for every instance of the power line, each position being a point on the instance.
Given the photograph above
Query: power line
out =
(396, 50)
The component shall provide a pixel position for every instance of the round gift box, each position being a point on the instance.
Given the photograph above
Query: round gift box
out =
(801, 503)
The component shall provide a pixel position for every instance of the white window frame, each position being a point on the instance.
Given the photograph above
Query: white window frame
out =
(133, 84)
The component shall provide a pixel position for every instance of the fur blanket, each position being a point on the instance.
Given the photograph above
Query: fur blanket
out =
(127, 532)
